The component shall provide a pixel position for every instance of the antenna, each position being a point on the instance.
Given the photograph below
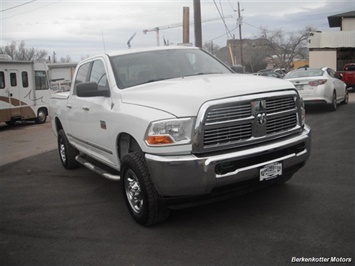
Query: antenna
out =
(103, 41)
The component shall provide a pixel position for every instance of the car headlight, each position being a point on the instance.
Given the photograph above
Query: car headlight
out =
(170, 132)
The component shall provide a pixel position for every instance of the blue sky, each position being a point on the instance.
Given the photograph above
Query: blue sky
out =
(79, 28)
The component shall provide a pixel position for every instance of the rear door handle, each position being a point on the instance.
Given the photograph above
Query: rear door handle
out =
(69, 106)
(85, 108)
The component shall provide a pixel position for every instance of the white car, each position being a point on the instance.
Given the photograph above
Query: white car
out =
(319, 86)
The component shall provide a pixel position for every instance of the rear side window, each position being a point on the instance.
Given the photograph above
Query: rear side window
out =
(24, 79)
(13, 80)
(2, 80)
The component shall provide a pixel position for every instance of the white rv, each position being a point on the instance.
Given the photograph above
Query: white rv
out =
(24, 91)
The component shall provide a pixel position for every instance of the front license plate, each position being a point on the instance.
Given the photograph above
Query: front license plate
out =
(270, 171)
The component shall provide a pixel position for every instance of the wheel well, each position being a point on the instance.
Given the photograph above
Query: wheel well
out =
(126, 144)
(58, 125)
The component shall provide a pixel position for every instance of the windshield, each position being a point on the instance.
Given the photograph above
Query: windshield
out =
(145, 67)
(301, 73)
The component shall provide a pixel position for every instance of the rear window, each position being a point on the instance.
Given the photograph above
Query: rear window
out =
(350, 68)
(301, 73)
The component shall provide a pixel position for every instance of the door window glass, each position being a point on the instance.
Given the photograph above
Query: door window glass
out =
(82, 75)
(13, 80)
(2, 80)
(25, 79)
(98, 75)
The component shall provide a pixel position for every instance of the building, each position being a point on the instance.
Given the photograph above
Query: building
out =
(334, 48)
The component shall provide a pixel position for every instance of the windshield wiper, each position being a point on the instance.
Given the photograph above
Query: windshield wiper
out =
(202, 73)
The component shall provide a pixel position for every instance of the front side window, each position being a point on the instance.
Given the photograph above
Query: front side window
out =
(41, 80)
(139, 68)
(82, 75)
(2, 80)
(98, 75)
(24, 79)
(13, 80)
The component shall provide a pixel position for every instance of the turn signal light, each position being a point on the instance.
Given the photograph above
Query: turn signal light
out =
(159, 140)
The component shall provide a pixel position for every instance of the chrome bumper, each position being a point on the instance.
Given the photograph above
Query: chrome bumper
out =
(189, 175)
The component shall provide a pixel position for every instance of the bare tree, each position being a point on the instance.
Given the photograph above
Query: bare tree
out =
(9, 50)
(210, 47)
(65, 59)
(22, 53)
(284, 47)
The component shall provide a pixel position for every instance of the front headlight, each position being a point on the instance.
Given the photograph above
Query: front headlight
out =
(170, 132)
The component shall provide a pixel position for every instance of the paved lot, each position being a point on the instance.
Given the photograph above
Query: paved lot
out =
(51, 216)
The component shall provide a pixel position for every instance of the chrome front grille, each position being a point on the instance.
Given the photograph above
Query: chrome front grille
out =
(225, 134)
(227, 113)
(279, 104)
(247, 120)
(281, 123)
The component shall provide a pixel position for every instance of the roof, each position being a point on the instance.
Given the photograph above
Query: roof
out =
(335, 20)
(338, 39)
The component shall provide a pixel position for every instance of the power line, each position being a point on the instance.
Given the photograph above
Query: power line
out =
(224, 22)
(32, 9)
(17, 6)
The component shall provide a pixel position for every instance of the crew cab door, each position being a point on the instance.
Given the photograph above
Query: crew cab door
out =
(87, 112)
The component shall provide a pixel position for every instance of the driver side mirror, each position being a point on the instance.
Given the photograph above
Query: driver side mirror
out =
(91, 89)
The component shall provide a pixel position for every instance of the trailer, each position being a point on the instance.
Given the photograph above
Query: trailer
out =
(24, 91)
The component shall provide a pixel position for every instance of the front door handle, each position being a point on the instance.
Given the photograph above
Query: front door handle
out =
(85, 108)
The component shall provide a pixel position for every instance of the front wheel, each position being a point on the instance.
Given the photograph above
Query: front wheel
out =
(67, 152)
(139, 193)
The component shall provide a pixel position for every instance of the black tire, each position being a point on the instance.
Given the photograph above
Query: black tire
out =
(67, 152)
(10, 123)
(333, 105)
(346, 97)
(139, 193)
(41, 116)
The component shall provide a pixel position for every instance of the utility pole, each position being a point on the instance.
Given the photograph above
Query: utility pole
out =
(197, 17)
(186, 25)
(240, 19)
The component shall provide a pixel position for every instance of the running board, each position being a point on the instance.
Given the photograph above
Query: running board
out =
(96, 169)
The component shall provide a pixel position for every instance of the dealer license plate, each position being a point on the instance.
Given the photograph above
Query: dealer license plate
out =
(270, 171)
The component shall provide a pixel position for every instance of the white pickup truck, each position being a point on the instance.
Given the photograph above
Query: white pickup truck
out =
(176, 126)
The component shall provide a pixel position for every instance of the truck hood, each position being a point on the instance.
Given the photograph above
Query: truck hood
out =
(184, 96)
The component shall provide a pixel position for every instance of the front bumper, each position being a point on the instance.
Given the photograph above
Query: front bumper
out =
(189, 175)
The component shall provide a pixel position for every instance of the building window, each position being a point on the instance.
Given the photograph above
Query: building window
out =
(2, 80)
(13, 80)
(25, 79)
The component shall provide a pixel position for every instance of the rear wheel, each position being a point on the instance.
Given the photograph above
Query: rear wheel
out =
(139, 193)
(67, 152)
(346, 97)
(41, 116)
(333, 105)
